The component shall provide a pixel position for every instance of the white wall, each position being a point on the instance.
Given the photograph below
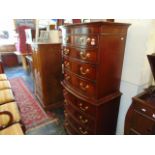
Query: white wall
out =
(136, 73)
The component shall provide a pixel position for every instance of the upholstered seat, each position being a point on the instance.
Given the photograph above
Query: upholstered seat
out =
(14, 129)
(3, 77)
(6, 95)
(13, 109)
(5, 85)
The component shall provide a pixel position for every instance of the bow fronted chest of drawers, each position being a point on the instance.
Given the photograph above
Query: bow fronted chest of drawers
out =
(92, 65)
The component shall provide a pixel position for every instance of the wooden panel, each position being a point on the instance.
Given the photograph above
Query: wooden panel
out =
(47, 74)
(111, 56)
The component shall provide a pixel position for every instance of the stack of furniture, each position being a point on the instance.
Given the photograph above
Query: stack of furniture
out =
(10, 119)
(47, 74)
(92, 59)
(140, 118)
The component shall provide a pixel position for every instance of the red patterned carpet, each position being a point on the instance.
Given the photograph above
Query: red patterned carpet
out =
(32, 113)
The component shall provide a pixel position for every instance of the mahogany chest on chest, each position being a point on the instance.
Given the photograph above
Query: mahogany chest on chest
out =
(47, 74)
(92, 64)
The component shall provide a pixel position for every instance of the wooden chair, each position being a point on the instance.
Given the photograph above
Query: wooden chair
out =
(12, 110)
(14, 129)
(6, 95)
(5, 84)
(3, 77)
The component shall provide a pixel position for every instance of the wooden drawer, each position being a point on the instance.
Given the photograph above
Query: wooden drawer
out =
(81, 30)
(82, 69)
(144, 110)
(83, 86)
(69, 128)
(79, 104)
(83, 119)
(87, 41)
(142, 124)
(88, 55)
(78, 127)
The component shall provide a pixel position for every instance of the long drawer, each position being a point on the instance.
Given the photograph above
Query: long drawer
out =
(145, 110)
(83, 106)
(87, 55)
(78, 127)
(80, 68)
(84, 120)
(81, 85)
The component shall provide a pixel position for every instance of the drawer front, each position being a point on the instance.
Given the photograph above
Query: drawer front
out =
(78, 127)
(144, 110)
(79, 104)
(83, 86)
(89, 41)
(82, 118)
(85, 70)
(81, 30)
(81, 54)
(142, 124)
(69, 128)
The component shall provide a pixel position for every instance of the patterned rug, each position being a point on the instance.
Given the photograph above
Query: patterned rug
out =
(32, 113)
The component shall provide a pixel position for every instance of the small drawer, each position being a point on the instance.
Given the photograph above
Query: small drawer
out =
(84, 40)
(85, 70)
(142, 124)
(144, 110)
(83, 86)
(79, 104)
(81, 30)
(82, 118)
(81, 40)
(81, 54)
(79, 128)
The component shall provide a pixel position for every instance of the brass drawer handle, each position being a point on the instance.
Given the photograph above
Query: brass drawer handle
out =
(83, 40)
(153, 115)
(83, 132)
(65, 101)
(84, 87)
(84, 72)
(67, 64)
(143, 110)
(65, 113)
(67, 77)
(93, 41)
(84, 55)
(83, 108)
(66, 51)
(88, 40)
(84, 121)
